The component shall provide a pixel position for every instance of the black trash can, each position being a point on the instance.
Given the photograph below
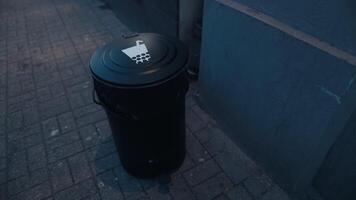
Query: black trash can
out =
(141, 82)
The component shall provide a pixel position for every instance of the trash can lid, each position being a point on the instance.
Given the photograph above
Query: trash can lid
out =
(140, 59)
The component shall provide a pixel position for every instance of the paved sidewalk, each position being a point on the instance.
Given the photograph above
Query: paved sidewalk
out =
(56, 144)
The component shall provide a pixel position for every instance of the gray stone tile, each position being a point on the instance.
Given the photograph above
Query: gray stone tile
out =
(258, 185)
(193, 122)
(235, 164)
(239, 192)
(159, 194)
(197, 152)
(50, 127)
(61, 152)
(275, 193)
(202, 172)
(222, 197)
(213, 187)
(17, 165)
(78, 191)
(179, 189)
(36, 157)
(23, 183)
(128, 184)
(109, 186)
(101, 150)
(66, 122)
(79, 167)
(38, 192)
(90, 136)
(60, 175)
(53, 107)
(2, 176)
(3, 163)
(105, 163)
(3, 194)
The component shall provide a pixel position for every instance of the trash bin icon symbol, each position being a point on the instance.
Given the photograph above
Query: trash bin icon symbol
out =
(138, 53)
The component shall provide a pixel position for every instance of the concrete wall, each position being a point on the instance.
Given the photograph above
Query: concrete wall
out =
(148, 15)
(329, 20)
(337, 176)
(281, 94)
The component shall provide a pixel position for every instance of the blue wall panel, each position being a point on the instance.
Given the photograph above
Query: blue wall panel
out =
(330, 20)
(277, 96)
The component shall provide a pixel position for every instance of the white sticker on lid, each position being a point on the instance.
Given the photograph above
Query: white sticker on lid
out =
(138, 53)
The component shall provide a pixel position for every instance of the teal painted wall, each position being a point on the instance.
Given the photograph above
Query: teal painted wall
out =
(283, 101)
(329, 20)
(336, 178)
(148, 15)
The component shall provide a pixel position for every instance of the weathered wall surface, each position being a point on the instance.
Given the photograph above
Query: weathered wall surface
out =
(283, 100)
(329, 20)
(336, 178)
(148, 15)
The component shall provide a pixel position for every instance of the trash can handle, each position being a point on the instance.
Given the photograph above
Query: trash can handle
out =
(96, 99)
(120, 111)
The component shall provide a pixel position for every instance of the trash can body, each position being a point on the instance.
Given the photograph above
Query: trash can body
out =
(147, 117)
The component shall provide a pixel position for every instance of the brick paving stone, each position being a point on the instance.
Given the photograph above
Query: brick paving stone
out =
(17, 165)
(105, 163)
(23, 132)
(148, 184)
(202, 172)
(25, 182)
(93, 197)
(92, 118)
(203, 116)
(159, 194)
(128, 184)
(2, 146)
(258, 185)
(213, 187)
(3, 163)
(104, 130)
(2, 176)
(54, 107)
(66, 122)
(79, 167)
(139, 196)
(60, 175)
(80, 99)
(187, 164)
(197, 152)
(3, 192)
(36, 157)
(78, 191)
(30, 115)
(208, 133)
(275, 193)
(50, 127)
(62, 140)
(91, 136)
(109, 186)
(101, 150)
(223, 197)
(235, 165)
(56, 154)
(239, 192)
(15, 120)
(38, 192)
(193, 122)
(179, 189)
